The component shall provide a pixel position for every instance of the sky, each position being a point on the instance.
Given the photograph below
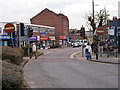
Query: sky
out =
(75, 10)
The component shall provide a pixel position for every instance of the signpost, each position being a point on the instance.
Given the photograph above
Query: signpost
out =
(9, 28)
(99, 31)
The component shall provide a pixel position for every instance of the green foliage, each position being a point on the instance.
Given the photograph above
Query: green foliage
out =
(12, 75)
(101, 17)
(15, 55)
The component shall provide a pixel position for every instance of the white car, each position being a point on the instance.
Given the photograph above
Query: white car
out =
(83, 42)
(76, 44)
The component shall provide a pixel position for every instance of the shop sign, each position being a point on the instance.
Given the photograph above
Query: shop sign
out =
(62, 37)
(4, 37)
(44, 38)
(43, 33)
(68, 37)
(52, 37)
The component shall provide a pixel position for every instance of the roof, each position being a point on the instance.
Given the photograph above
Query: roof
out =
(46, 9)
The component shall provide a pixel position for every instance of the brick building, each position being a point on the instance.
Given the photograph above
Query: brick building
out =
(50, 18)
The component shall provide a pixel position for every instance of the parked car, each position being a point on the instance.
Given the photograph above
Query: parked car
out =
(83, 42)
(76, 44)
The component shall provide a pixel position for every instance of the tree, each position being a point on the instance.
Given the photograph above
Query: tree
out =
(100, 19)
(73, 31)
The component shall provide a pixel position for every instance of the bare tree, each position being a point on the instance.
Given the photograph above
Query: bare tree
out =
(99, 20)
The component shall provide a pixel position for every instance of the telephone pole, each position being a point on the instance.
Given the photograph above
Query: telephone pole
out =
(95, 37)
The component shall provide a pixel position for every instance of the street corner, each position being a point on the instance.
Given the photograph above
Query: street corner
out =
(25, 61)
(74, 55)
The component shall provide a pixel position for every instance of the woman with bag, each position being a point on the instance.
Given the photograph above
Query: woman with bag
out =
(88, 52)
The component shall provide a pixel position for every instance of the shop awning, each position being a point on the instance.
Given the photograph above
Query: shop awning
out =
(33, 38)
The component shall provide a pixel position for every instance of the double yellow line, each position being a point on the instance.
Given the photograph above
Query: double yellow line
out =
(72, 56)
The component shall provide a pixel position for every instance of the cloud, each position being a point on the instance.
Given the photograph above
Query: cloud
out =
(23, 10)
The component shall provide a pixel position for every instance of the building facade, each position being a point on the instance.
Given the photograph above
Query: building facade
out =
(22, 37)
(49, 18)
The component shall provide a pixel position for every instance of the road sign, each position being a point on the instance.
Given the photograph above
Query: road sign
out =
(9, 28)
(100, 31)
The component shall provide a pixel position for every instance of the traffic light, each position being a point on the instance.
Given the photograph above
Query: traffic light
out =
(82, 32)
(30, 32)
(21, 29)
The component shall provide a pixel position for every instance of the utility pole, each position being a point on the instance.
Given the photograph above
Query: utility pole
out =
(93, 12)
(95, 37)
(105, 23)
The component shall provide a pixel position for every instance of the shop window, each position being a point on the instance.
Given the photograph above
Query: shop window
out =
(0, 43)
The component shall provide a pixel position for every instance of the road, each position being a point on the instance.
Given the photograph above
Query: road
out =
(55, 69)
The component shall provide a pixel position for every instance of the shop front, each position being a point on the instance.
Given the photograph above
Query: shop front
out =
(32, 39)
(52, 42)
(62, 40)
(44, 42)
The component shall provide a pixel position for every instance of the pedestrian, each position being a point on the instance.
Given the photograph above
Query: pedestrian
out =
(88, 52)
(34, 49)
(92, 46)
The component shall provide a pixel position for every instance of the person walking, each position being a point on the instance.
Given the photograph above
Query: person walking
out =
(34, 49)
(88, 52)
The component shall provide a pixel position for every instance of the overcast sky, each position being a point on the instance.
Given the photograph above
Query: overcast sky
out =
(23, 10)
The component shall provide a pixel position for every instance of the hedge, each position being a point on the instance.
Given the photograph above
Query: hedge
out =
(12, 75)
(15, 55)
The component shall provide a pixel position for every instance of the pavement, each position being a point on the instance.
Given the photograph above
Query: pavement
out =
(101, 59)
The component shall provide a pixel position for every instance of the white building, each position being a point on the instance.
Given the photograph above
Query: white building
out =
(119, 9)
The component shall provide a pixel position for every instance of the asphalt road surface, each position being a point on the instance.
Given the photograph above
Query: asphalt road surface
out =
(55, 69)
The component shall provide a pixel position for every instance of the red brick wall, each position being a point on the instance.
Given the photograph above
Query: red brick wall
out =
(49, 18)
